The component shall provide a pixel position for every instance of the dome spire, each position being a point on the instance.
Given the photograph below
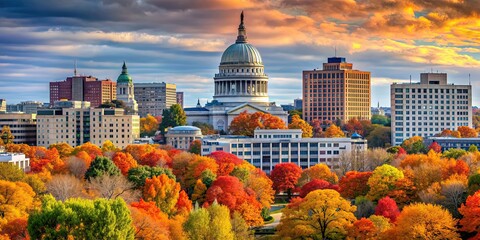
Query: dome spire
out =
(124, 68)
(242, 32)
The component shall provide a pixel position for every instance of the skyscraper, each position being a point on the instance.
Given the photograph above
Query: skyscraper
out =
(153, 98)
(428, 107)
(336, 92)
(125, 89)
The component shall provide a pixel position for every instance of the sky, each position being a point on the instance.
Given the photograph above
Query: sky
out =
(181, 42)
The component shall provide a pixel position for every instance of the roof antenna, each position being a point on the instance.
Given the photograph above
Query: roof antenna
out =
(469, 82)
(75, 68)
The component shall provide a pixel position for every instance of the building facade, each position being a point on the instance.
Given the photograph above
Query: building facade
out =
(336, 92)
(180, 98)
(240, 85)
(17, 159)
(22, 125)
(153, 98)
(125, 90)
(428, 107)
(83, 88)
(270, 147)
(452, 142)
(3, 105)
(25, 107)
(180, 137)
(78, 125)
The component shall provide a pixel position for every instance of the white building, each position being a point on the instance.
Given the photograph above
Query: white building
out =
(78, 125)
(270, 147)
(428, 107)
(240, 85)
(18, 159)
(180, 137)
(125, 89)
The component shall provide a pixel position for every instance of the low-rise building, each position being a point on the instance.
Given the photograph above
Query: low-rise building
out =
(77, 125)
(269, 147)
(452, 142)
(17, 159)
(22, 125)
(180, 137)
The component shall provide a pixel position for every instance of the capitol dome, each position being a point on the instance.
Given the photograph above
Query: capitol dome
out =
(124, 77)
(241, 53)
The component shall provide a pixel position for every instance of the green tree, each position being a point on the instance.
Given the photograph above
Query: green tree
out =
(207, 129)
(101, 166)
(195, 147)
(172, 117)
(454, 153)
(139, 174)
(212, 223)
(381, 120)
(240, 228)
(6, 135)
(473, 148)
(208, 177)
(379, 137)
(81, 219)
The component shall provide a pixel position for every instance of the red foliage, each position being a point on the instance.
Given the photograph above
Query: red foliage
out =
(362, 229)
(148, 207)
(435, 147)
(459, 167)
(470, 211)
(184, 204)
(388, 208)
(16, 229)
(354, 184)
(45, 159)
(285, 176)
(158, 157)
(316, 184)
(226, 162)
(124, 161)
(227, 190)
(401, 151)
(173, 152)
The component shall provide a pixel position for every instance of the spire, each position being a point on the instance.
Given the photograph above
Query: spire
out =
(242, 32)
(124, 68)
(75, 68)
(198, 103)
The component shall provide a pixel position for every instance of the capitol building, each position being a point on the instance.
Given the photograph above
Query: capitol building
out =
(240, 85)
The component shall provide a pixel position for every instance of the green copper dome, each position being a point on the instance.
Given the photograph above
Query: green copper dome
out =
(124, 77)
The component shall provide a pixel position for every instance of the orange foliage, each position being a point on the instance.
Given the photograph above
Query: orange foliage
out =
(138, 150)
(298, 123)
(471, 215)
(92, 150)
(467, 132)
(226, 162)
(184, 205)
(450, 133)
(196, 167)
(334, 132)
(362, 229)
(157, 157)
(124, 161)
(458, 167)
(149, 221)
(16, 229)
(46, 159)
(164, 191)
(245, 123)
(354, 184)
(285, 177)
(435, 147)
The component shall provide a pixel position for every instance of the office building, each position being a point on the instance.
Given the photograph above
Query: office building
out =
(336, 92)
(22, 125)
(3, 105)
(77, 125)
(180, 137)
(153, 98)
(298, 103)
(25, 107)
(83, 88)
(17, 159)
(180, 98)
(428, 107)
(452, 142)
(270, 147)
(125, 90)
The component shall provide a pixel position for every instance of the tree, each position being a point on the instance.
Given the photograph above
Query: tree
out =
(334, 132)
(124, 162)
(318, 171)
(473, 148)
(212, 223)
(414, 145)
(353, 125)
(64, 149)
(354, 184)
(240, 228)
(388, 208)
(195, 147)
(91, 149)
(148, 125)
(425, 221)
(81, 219)
(63, 187)
(138, 150)
(101, 166)
(322, 214)
(316, 184)
(317, 130)
(207, 129)
(298, 123)
(381, 223)
(196, 167)
(435, 147)
(449, 133)
(149, 222)
(157, 157)
(454, 153)
(470, 211)
(285, 177)
(245, 123)
(15, 229)
(379, 137)
(16, 200)
(383, 181)
(172, 117)
(467, 132)
(381, 120)
(11, 172)
(226, 162)
(262, 186)
(111, 187)
(6, 135)
(164, 191)
(365, 207)
(184, 205)
(362, 229)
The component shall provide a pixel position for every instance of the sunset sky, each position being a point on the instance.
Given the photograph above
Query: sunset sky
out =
(181, 42)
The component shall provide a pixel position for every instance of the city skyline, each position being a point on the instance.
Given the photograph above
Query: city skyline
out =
(181, 42)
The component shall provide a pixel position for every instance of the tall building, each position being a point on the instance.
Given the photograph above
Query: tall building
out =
(125, 89)
(336, 92)
(269, 147)
(428, 107)
(25, 107)
(153, 98)
(76, 123)
(22, 125)
(83, 88)
(3, 105)
(240, 85)
(298, 103)
(180, 98)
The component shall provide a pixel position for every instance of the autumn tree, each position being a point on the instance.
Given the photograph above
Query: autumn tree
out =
(354, 184)
(195, 147)
(11, 172)
(157, 157)
(449, 133)
(207, 129)
(212, 223)
(470, 211)
(379, 137)
(64, 149)
(63, 187)
(139, 174)
(199, 192)
(16, 229)
(318, 171)
(435, 147)
(262, 186)
(196, 167)
(467, 132)
(240, 228)
(148, 125)
(388, 208)
(149, 222)
(334, 132)
(184, 205)
(353, 125)
(322, 214)
(81, 219)
(425, 221)
(172, 117)
(6, 135)
(101, 166)
(138, 150)
(245, 123)
(383, 181)
(414, 145)
(285, 177)
(111, 187)
(226, 162)
(124, 162)
(16, 200)
(362, 229)
(365, 207)
(162, 190)
(316, 184)
(91, 149)
(298, 123)
(317, 128)
(78, 164)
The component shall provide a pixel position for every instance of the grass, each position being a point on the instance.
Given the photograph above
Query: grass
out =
(278, 208)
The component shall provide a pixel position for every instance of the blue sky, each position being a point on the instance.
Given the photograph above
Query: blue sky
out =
(181, 42)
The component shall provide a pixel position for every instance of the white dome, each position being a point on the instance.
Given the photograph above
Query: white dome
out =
(242, 54)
